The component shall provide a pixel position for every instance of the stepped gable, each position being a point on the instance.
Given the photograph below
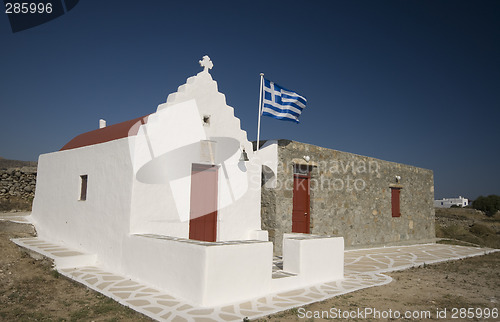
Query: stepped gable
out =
(201, 87)
(209, 100)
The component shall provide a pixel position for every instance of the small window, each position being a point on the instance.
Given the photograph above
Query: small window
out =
(396, 211)
(302, 169)
(206, 120)
(83, 187)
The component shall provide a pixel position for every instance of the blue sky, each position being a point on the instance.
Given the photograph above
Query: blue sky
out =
(416, 82)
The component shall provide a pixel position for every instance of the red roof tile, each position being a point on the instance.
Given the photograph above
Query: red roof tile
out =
(106, 134)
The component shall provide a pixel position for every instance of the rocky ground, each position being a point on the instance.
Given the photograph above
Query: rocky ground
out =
(468, 225)
(31, 291)
(7, 163)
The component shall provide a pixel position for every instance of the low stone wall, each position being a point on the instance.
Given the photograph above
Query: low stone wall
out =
(18, 182)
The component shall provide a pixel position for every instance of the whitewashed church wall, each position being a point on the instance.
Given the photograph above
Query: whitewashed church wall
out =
(97, 224)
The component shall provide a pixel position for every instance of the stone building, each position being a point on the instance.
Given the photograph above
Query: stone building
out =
(370, 202)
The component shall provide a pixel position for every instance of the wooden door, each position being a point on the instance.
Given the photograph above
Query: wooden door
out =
(203, 211)
(301, 202)
(396, 210)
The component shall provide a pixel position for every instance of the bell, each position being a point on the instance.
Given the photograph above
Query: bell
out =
(244, 156)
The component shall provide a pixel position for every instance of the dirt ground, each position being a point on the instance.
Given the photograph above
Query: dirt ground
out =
(468, 283)
(423, 292)
(31, 291)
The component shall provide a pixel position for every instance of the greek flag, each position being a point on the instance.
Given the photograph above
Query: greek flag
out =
(281, 103)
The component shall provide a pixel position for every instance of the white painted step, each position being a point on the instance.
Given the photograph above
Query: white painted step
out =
(63, 256)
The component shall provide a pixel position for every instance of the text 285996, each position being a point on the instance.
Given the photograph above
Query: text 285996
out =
(27, 8)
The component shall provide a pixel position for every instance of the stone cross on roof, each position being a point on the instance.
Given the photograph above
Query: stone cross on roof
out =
(206, 63)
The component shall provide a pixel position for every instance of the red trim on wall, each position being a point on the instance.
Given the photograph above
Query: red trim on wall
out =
(106, 134)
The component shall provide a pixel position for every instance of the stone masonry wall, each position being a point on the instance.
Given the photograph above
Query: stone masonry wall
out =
(350, 196)
(18, 182)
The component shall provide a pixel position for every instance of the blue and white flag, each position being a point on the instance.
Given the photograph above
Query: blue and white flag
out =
(281, 103)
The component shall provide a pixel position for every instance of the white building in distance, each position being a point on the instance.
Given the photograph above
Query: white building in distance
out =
(448, 202)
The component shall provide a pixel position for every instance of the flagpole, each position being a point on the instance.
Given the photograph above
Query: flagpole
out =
(260, 109)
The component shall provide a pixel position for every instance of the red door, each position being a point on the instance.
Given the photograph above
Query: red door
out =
(396, 210)
(203, 212)
(300, 213)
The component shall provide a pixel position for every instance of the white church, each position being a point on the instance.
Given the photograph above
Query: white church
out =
(173, 200)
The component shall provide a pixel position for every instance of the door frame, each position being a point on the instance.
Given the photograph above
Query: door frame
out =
(200, 168)
(307, 175)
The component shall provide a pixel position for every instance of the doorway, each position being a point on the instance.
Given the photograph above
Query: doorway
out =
(203, 204)
(301, 215)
